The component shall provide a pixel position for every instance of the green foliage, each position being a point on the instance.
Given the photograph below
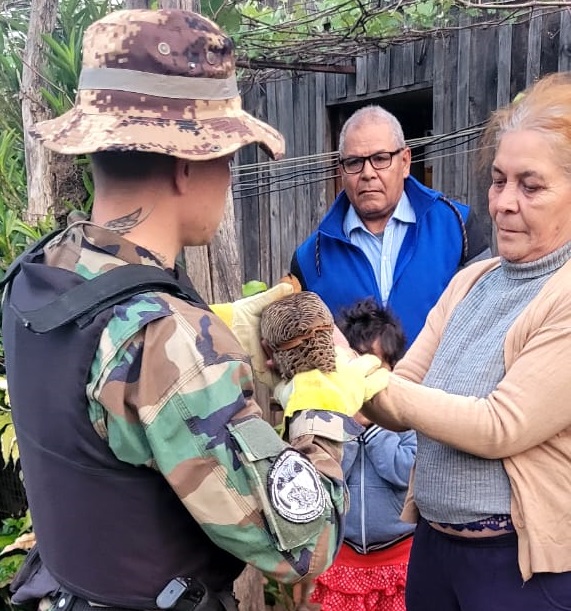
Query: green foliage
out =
(64, 61)
(13, 28)
(63, 67)
(63, 64)
(279, 594)
(383, 25)
(12, 168)
(427, 14)
(15, 234)
(11, 529)
(12, 165)
(63, 56)
(9, 566)
(223, 13)
(8, 446)
(252, 287)
(289, 31)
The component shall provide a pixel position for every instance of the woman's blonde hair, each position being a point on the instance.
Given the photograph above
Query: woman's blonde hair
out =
(544, 107)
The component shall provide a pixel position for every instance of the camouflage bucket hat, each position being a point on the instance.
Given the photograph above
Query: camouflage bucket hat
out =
(157, 81)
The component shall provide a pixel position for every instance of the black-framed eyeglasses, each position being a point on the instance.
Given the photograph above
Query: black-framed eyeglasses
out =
(379, 161)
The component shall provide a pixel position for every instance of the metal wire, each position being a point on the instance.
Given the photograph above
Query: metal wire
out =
(265, 178)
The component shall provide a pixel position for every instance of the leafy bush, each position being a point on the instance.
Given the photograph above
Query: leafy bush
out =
(10, 530)
(62, 73)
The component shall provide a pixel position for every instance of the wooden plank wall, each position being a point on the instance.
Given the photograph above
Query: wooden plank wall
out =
(277, 205)
(471, 73)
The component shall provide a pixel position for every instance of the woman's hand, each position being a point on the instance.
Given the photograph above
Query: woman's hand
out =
(362, 419)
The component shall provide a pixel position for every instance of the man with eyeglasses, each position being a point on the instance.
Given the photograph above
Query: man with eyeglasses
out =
(386, 234)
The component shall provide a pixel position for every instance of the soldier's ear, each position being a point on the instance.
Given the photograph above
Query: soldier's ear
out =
(182, 174)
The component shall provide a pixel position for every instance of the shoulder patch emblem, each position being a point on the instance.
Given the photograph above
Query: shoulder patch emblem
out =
(296, 492)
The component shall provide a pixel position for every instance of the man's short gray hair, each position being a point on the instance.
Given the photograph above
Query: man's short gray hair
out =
(375, 115)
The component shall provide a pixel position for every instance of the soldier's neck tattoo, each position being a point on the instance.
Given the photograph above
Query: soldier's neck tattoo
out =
(124, 224)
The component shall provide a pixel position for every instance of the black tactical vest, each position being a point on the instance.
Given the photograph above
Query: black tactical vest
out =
(109, 532)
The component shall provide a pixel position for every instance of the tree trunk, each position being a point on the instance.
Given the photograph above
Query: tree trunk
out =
(215, 273)
(130, 4)
(249, 590)
(225, 258)
(215, 269)
(185, 5)
(41, 178)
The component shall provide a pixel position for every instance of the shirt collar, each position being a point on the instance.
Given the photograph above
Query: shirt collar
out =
(99, 249)
(113, 244)
(110, 243)
(403, 213)
(103, 246)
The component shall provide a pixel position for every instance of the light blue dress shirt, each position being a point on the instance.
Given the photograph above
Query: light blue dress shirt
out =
(381, 250)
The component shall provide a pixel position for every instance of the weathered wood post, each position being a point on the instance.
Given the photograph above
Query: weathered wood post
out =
(132, 4)
(39, 165)
(186, 5)
(215, 272)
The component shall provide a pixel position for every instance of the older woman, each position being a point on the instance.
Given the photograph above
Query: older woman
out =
(487, 386)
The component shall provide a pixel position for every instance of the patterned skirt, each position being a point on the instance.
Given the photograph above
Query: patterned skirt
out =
(365, 582)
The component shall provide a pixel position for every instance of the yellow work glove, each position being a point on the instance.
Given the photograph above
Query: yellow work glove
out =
(343, 391)
(243, 318)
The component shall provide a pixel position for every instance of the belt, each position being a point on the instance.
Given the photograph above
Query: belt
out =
(65, 601)
(69, 602)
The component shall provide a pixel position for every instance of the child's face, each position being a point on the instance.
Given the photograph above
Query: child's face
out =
(375, 348)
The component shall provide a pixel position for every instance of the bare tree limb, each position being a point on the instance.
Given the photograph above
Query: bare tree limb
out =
(514, 5)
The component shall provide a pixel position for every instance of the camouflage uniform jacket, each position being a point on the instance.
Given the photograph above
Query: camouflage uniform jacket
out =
(171, 388)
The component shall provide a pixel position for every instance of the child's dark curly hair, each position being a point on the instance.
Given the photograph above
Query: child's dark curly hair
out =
(366, 321)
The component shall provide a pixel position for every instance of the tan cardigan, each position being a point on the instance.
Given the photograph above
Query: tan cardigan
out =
(525, 421)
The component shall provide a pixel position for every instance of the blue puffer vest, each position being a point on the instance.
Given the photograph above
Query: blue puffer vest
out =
(442, 239)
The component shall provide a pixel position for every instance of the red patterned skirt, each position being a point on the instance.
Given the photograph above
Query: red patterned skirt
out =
(365, 582)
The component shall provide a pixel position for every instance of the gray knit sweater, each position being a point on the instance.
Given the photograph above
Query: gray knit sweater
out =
(452, 486)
